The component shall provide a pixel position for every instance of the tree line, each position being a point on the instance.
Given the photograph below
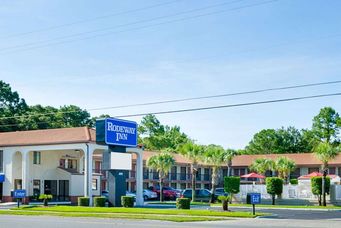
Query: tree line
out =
(17, 115)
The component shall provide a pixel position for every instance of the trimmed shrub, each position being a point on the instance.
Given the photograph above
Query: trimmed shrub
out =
(225, 202)
(83, 201)
(99, 201)
(232, 186)
(45, 198)
(316, 187)
(183, 203)
(127, 201)
(274, 186)
(294, 181)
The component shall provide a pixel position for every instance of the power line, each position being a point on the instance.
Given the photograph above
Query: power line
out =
(17, 47)
(123, 25)
(89, 20)
(232, 105)
(186, 99)
(217, 107)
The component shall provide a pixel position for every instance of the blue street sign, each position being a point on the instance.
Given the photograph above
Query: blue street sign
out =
(2, 177)
(255, 198)
(120, 132)
(19, 194)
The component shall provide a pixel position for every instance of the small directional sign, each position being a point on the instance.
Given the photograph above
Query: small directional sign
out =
(255, 198)
(19, 194)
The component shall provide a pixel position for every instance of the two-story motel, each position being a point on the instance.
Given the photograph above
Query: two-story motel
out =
(67, 163)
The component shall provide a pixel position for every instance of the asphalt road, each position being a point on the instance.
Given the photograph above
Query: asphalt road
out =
(283, 220)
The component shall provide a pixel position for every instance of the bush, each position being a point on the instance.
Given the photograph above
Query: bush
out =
(274, 186)
(316, 186)
(127, 201)
(293, 181)
(99, 201)
(232, 185)
(183, 203)
(83, 201)
(45, 198)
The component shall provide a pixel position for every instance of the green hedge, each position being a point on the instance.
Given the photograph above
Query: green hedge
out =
(232, 185)
(274, 186)
(127, 201)
(99, 201)
(83, 201)
(316, 185)
(294, 181)
(183, 203)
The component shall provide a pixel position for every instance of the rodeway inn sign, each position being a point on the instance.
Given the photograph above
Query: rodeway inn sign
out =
(117, 132)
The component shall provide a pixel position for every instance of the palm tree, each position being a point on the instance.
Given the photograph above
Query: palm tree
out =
(325, 152)
(284, 166)
(194, 153)
(229, 155)
(214, 157)
(162, 163)
(261, 165)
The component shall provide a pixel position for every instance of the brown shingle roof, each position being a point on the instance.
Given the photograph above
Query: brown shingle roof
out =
(178, 158)
(48, 136)
(303, 159)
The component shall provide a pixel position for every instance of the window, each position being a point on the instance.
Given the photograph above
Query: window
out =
(36, 157)
(94, 184)
(174, 185)
(311, 170)
(17, 184)
(332, 170)
(1, 161)
(72, 164)
(36, 188)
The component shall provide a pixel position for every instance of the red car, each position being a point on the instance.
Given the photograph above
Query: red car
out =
(168, 192)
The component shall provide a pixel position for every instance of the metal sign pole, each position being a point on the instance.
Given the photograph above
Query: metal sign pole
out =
(253, 209)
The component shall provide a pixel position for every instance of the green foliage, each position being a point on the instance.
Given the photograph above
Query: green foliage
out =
(278, 141)
(316, 185)
(83, 201)
(294, 181)
(325, 152)
(183, 203)
(45, 196)
(224, 198)
(284, 166)
(127, 201)
(326, 126)
(274, 185)
(155, 136)
(261, 165)
(232, 185)
(99, 201)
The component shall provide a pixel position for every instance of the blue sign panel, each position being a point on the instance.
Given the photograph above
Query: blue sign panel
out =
(120, 132)
(2, 177)
(20, 193)
(255, 198)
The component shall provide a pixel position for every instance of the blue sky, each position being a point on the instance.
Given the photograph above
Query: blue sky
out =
(280, 43)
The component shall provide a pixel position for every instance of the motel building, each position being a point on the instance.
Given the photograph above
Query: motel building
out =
(66, 163)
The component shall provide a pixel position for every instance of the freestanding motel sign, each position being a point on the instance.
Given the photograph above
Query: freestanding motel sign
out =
(118, 135)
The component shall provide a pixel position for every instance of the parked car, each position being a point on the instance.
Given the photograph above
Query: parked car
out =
(178, 192)
(131, 194)
(168, 192)
(220, 192)
(201, 194)
(147, 194)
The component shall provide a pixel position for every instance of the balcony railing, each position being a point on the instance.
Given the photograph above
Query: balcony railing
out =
(171, 176)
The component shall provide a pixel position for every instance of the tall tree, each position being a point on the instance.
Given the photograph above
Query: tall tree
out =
(326, 126)
(214, 157)
(284, 166)
(194, 153)
(229, 155)
(162, 163)
(156, 136)
(325, 152)
(11, 105)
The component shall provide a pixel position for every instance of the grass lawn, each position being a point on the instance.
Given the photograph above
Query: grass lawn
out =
(173, 203)
(282, 206)
(174, 215)
(113, 216)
